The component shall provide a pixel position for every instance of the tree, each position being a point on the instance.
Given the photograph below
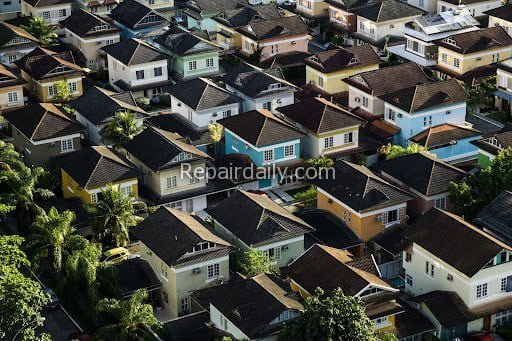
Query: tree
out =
(43, 32)
(122, 128)
(62, 91)
(333, 317)
(481, 94)
(320, 162)
(9, 157)
(114, 214)
(252, 263)
(394, 151)
(215, 130)
(132, 317)
(81, 269)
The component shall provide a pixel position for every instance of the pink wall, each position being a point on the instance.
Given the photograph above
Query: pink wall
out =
(283, 47)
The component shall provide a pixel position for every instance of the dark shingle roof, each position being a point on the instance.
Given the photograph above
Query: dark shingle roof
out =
(264, 220)
(260, 128)
(426, 96)
(389, 79)
(131, 12)
(443, 134)
(175, 123)
(134, 274)
(171, 233)
(242, 16)
(360, 189)
(99, 105)
(157, 149)
(458, 234)
(43, 121)
(476, 41)
(8, 32)
(392, 239)
(45, 3)
(275, 28)
(96, 166)
(411, 322)
(496, 217)
(503, 12)
(40, 62)
(192, 327)
(9, 77)
(343, 58)
(82, 22)
(320, 116)
(423, 172)
(209, 7)
(447, 307)
(183, 43)
(387, 10)
(134, 52)
(202, 94)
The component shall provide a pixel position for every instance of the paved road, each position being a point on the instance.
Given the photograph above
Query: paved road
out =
(58, 324)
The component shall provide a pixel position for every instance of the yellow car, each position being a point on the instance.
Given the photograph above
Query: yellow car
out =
(115, 255)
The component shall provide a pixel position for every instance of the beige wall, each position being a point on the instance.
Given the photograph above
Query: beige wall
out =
(4, 99)
(471, 61)
(90, 48)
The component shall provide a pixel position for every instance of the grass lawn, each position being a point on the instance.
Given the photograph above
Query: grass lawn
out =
(499, 116)
(293, 192)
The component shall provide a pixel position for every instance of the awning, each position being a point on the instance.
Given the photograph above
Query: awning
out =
(110, 2)
(93, 4)
(503, 94)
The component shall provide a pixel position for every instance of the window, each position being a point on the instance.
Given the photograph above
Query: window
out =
(320, 81)
(456, 62)
(66, 145)
(176, 205)
(289, 151)
(381, 322)
(329, 142)
(126, 190)
(46, 15)
(94, 198)
(73, 87)
(274, 49)
(158, 71)
(172, 182)
(184, 305)
(267, 106)
(365, 102)
(226, 114)
(213, 271)
(12, 97)
(429, 269)
(348, 137)
(268, 155)
(361, 25)
(408, 257)
(408, 280)
(52, 91)
(192, 65)
(247, 45)
(12, 58)
(62, 12)
(441, 203)
(151, 2)
(139, 74)
(422, 3)
(391, 115)
(109, 42)
(503, 284)
(209, 62)
(427, 121)
(224, 322)
(273, 254)
(392, 216)
(194, 179)
(481, 290)
(444, 57)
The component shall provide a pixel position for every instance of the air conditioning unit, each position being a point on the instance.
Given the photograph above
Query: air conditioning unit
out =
(196, 271)
(279, 101)
(379, 217)
(284, 247)
(357, 99)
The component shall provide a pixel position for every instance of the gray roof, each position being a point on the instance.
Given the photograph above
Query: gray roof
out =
(443, 134)
(9, 32)
(496, 217)
(253, 82)
(503, 12)
(387, 10)
(82, 23)
(182, 43)
(202, 94)
(209, 7)
(477, 41)
(238, 17)
(134, 52)
(275, 28)
(175, 123)
(130, 13)
(46, 3)
(40, 62)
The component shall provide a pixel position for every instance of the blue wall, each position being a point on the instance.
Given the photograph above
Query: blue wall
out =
(452, 151)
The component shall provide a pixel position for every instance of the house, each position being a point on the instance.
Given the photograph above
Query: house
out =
(229, 21)
(102, 8)
(489, 147)
(365, 202)
(365, 88)
(87, 172)
(11, 89)
(422, 106)
(196, 324)
(52, 11)
(420, 34)
(463, 53)
(42, 68)
(200, 14)
(268, 141)
(496, 217)
(327, 69)
(269, 228)
(202, 102)
(341, 13)
(378, 22)
(190, 55)
(461, 289)
(41, 131)
(259, 89)
(423, 175)
(449, 142)
(137, 67)
(165, 7)
(503, 93)
(256, 309)
(135, 20)
(475, 7)
(331, 130)
(15, 42)
(136, 274)
(98, 106)
(88, 33)
(312, 9)
(10, 7)
(274, 36)
(501, 16)
(387, 249)
(185, 255)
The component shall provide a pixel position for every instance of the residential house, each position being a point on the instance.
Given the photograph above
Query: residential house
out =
(449, 142)
(341, 13)
(268, 141)
(425, 176)
(387, 248)
(15, 42)
(185, 255)
(10, 7)
(462, 54)
(501, 16)
(200, 14)
(331, 130)
(88, 33)
(489, 147)
(496, 217)
(503, 93)
(461, 289)
(229, 21)
(136, 20)
(365, 88)
(136, 274)
(97, 107)
(312, 9)
(87, 172)
(11, 89)
(103, 7)
(420, 34)
(192, 324)
(422, 106)
(137, 67)
(475, 7)
(42, 131)
(42, 68)
(257, 307)
(165, 7)
(190, 55)
(274, 36)
(202, 102)
(259, 89)
(52, 11)
(365, 202)
(269, 228)
(327, 70)
(379, 22)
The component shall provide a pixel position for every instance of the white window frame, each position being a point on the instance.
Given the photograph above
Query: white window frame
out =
(289, 151)
(482, 291)
(185, 305)
(329, 142)
(94, 198)
(192, 65)
(12, 97)
(348, 137)
(126, 190)
(210, 62)
(268, 155)
(66, 145)
(171, 182)
(440, 203)
(213, 271)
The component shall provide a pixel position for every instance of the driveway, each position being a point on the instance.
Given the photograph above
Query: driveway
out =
(58, 324)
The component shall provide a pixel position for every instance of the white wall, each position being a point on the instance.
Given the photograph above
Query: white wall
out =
(203, 118)
(119, 71)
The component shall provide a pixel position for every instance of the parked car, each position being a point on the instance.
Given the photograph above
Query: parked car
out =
(115, 255)
(54, 300)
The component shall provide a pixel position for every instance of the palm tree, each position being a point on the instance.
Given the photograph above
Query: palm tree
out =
(122, 128)
(81, 268)
(133, 318)
(39, 29)
(215, 131)
(114, 215)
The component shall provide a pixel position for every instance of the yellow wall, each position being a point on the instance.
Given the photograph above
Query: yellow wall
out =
(333, 81)
(318, 8)
(4, 101)
(42, 88)
(471, 61)
(391, 326)
(236, 37)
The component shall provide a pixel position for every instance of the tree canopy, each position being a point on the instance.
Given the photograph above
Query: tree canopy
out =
(42, 31)
(122, 128)
(252, 263)
(394, 151)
